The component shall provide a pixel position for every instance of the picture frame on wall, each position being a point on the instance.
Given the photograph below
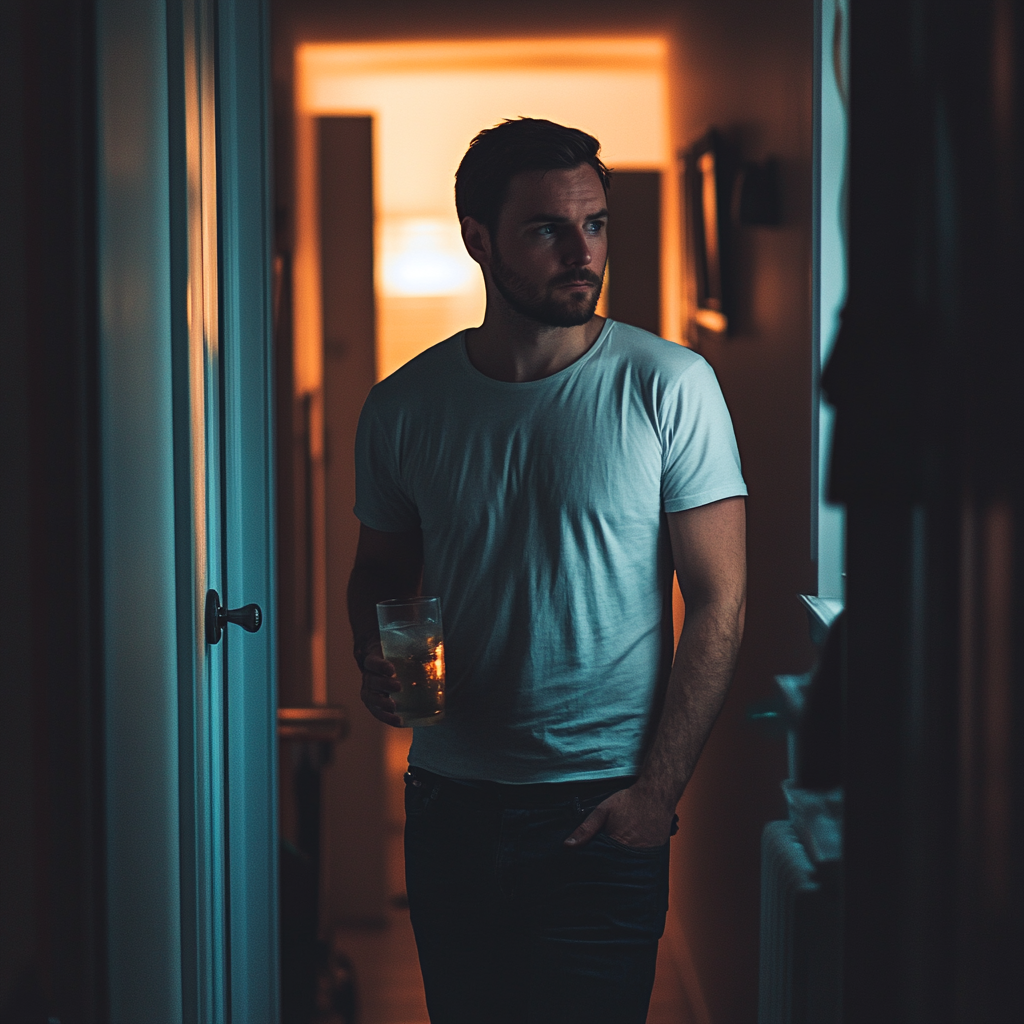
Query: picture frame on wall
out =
(707, 189)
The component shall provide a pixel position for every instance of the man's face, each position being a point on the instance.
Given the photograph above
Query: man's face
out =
(550, 246)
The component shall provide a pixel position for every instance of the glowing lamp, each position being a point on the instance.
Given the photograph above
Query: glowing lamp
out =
(424, 256)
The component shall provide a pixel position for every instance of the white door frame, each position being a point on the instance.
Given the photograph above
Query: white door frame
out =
(190, 732)
(246, 228)
(828, 521)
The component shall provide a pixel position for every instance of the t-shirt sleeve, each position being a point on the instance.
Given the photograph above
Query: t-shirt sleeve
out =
(382, 503)
(701, 461)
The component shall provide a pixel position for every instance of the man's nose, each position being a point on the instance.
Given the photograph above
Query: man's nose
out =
(576, 252)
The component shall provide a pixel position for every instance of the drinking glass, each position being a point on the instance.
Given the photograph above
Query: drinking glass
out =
(412, 638)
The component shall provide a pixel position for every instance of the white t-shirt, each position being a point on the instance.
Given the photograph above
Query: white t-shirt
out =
(542, 508)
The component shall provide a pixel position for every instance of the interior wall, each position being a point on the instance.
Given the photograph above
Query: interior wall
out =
(144, 818)
(744, 67)
(52, 887)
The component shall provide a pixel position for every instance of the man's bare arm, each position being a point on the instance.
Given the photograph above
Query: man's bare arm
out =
(388, 565)
(709, 550)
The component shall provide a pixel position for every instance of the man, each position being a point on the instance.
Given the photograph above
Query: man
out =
(544, 474)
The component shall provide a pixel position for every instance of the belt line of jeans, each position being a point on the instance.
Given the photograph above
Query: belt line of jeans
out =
(528, 795)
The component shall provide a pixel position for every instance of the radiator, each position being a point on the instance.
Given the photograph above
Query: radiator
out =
(801, 959)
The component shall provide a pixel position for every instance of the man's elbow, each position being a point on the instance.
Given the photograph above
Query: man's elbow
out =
(724, 610)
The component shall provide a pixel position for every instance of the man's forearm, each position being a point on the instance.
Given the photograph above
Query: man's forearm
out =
(700, 677)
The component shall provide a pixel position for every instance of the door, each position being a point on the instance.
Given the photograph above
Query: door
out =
(227, 715)
(185, 389)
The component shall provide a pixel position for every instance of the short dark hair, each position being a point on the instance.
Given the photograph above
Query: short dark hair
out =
(498, 154)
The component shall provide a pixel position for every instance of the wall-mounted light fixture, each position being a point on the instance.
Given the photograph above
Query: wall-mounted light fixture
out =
(708, 170)
(721, 194)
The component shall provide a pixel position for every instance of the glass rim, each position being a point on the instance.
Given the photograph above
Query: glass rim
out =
(392, 602)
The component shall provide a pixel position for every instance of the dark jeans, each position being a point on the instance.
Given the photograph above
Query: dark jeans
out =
(513, 927)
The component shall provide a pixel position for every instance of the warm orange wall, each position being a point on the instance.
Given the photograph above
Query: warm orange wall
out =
(744, 66)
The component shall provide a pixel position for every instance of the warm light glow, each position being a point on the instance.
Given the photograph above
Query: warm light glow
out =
(427, 100)
(324, 61)
(424, 119)
(435, 667)
(423, 256)
(711, 319)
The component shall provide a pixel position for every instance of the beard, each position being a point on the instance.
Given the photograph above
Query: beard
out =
(544, 305)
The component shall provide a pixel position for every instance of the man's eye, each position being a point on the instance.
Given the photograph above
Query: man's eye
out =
(546, 229)
(596, 226)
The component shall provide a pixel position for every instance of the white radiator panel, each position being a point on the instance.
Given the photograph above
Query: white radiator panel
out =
(800, 932)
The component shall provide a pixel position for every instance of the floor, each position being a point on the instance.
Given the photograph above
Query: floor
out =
(388, 978)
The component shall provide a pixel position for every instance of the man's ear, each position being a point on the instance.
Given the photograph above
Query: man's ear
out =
(477, 239)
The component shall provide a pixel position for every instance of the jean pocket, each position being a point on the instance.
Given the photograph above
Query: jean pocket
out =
(419, 795)
(640, 851)
(587, 805)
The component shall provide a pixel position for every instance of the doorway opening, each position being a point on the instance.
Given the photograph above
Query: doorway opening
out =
(379, 274)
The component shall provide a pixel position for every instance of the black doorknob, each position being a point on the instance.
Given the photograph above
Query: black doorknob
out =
(249, 617)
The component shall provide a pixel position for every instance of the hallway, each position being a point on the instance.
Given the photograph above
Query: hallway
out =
(158, 460)
(363, 177)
